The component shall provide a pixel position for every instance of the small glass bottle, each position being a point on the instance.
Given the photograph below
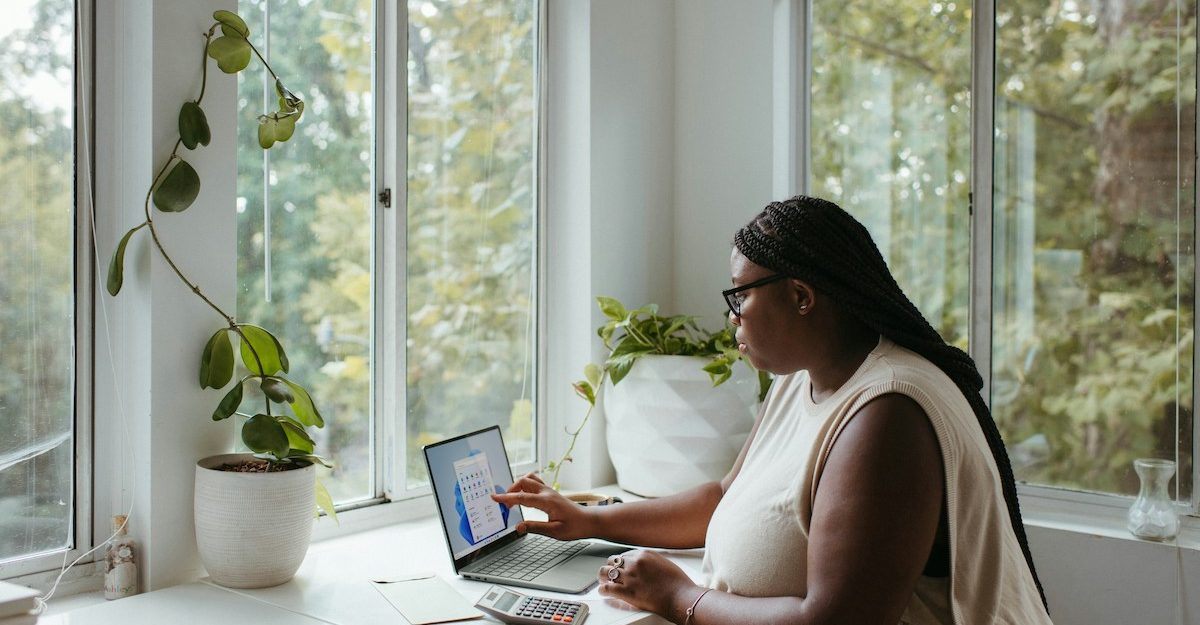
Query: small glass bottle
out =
(120, 564)
(1152, 515)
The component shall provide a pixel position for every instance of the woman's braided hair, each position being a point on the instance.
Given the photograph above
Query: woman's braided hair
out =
(818, 242)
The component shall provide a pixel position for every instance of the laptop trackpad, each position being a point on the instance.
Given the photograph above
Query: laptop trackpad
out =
(578, 573)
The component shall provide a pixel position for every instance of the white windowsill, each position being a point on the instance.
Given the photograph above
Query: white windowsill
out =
(404, 537)
(331, 586)
(1094, 515)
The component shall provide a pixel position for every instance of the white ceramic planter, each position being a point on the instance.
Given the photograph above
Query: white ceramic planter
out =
(669, 429)
(252, 529)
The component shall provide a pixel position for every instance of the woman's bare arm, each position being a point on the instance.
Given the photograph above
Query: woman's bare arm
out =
(874, 520)
(679, 521)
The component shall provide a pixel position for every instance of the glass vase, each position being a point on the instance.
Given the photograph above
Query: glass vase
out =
(1152, 515)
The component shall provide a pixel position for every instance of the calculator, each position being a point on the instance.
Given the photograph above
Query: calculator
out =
(511, 606)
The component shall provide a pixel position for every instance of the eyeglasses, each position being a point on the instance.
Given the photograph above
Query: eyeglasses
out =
(734, 297)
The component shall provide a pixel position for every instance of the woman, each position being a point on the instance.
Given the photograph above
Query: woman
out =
(874, 487)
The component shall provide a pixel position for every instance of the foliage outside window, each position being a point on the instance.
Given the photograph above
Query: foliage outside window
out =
(1093, 239)
(1094, 213)
(37, 274)
(305, 217)
(472, 205)
(306, 225)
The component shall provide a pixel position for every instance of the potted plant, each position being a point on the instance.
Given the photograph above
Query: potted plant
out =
(253, 512)
(683, 410)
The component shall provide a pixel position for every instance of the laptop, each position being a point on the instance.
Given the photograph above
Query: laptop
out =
(482, 534)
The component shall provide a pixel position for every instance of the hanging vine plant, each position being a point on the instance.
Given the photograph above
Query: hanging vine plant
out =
(280, 439)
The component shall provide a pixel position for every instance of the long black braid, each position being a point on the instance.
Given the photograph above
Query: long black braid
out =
(818, 242)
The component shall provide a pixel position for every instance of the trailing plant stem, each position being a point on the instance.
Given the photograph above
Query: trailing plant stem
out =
(229, 320)
(204, 62)
(566, 457)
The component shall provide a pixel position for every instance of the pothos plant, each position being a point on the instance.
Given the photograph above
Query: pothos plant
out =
(280, 439)
(630, 334)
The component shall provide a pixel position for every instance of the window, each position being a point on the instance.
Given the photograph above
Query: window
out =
(38, 281)
(310, 216)
(472, 165)
(1092, 209)
(891, 130)
(306, 216)
(1093, 239)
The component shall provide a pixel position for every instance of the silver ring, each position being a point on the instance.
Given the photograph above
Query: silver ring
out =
(618, 561)
(613, 574)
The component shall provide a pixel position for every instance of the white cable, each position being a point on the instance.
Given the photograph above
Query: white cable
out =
(86, 171)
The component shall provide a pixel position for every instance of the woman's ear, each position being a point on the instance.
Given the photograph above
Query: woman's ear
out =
(803, 296)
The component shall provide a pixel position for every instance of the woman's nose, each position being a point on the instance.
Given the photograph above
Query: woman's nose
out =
(734, 319)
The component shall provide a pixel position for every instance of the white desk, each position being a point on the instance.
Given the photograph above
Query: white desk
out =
(332, 587)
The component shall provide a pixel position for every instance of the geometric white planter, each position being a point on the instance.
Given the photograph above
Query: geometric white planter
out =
(669, 429)
(253, 529)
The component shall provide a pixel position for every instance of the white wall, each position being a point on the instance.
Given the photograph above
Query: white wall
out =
(609, 192)
(154, 331)
(723, 141)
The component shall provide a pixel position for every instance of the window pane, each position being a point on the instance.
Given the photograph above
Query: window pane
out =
(37, 273)
(306, 217)
(1093, 241)
(890, 140)
(471, 230)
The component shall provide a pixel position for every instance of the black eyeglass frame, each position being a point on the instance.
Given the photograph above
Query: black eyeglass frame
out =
(734, 304)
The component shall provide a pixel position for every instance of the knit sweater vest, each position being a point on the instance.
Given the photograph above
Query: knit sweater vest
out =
(757, 541)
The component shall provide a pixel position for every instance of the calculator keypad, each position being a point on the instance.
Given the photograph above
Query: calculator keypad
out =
(549, 610)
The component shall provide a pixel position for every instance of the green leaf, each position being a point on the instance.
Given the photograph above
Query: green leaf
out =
(263, 435)
(269, 351)
(231, 52)
(116, 267)
(216, 364)
(312, 459)
(298, 439)
(306, 411)
(611, 308)
(593, 373)
(325, 501)
(193, 126)
(586, 391)
(229, 404)
(179, 189)
(276, 128)
(285, 127)
(232, 24)
(277, 391)
(617, 371)
(266, 133)
(288, 101)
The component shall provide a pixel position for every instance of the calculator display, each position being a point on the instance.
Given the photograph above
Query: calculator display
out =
(506, 601)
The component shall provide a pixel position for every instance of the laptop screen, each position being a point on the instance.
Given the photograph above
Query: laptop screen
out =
(464, 472)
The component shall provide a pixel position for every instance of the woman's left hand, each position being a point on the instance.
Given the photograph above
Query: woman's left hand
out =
(645, 580)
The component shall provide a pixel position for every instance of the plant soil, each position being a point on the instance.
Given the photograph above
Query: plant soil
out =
(258, 466)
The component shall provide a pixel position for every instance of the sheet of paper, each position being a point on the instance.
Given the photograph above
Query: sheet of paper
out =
(427, 600)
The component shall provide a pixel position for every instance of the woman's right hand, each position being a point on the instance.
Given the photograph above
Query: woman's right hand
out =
(566, 520)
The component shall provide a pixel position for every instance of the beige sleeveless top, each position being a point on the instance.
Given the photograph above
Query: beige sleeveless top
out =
(757, 540)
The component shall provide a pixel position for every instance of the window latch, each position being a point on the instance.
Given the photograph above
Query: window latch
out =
(385, 198)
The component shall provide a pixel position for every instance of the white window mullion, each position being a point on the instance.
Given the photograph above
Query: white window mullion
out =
(983, 68)
(1195, 500)
(392, 328)
(791, 69)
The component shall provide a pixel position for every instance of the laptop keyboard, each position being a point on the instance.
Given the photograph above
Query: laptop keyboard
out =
(535, 555)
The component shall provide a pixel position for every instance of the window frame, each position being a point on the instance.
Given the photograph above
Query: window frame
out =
(86, 527)
(393, 500)
(1082, 507)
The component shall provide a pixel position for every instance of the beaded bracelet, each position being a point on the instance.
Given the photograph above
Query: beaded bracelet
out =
(692, 610)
